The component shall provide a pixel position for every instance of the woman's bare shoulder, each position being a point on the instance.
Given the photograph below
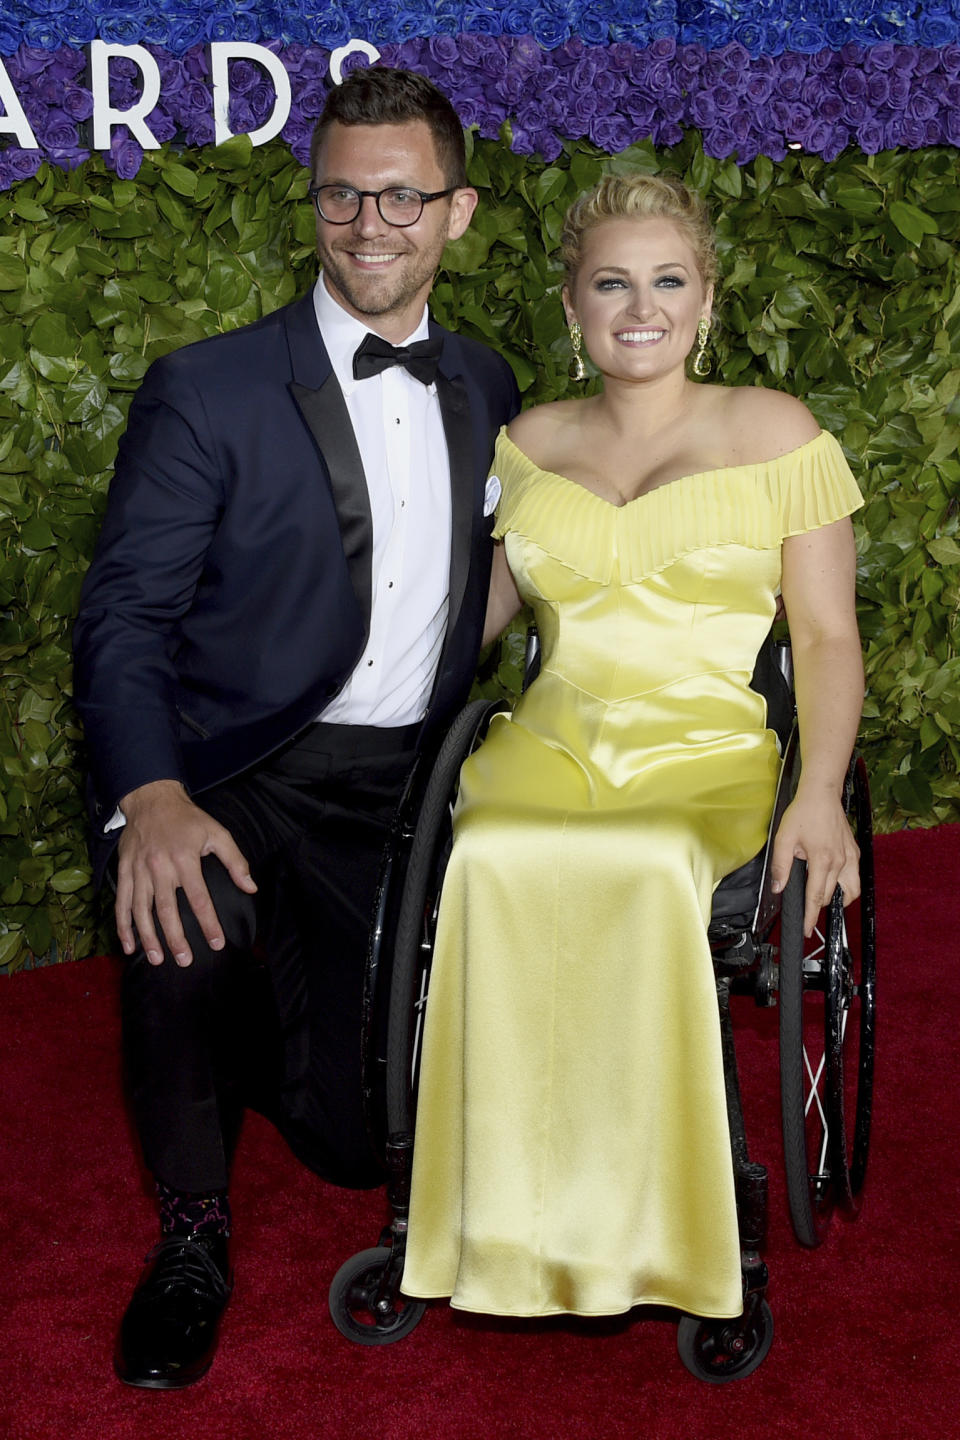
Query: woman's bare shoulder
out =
(768, 421)
(538, 427)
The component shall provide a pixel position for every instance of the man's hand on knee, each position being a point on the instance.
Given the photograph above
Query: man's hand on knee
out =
(160, 852)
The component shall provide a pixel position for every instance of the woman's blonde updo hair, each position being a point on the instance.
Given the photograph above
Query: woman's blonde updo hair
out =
(640, 197)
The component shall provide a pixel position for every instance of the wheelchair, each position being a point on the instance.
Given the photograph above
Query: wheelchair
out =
(825, 987)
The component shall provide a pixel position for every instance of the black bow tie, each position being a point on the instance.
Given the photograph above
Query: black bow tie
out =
(376, 354)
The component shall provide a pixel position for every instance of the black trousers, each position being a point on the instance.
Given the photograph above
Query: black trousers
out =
(274, 1019)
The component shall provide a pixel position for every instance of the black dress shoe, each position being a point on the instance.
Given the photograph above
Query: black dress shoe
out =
(168, 1336)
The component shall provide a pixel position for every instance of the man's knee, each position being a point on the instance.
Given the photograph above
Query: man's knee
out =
(236, 910)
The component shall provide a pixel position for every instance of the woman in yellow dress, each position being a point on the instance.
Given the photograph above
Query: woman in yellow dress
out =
(572, 1151)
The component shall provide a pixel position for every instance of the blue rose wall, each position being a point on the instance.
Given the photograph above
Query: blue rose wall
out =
(754, 78)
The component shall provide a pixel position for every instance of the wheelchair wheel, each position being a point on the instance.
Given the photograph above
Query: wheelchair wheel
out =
(721, 1350)
(416, 919)
(827, 1031)
(361, 1313)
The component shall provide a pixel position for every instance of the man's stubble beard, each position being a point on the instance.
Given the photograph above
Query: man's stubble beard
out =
(397, 292)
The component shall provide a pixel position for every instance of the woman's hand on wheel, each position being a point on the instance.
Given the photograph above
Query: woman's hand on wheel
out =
(814, 828)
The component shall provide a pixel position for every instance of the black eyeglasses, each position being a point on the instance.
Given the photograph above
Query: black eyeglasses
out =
(398, 205)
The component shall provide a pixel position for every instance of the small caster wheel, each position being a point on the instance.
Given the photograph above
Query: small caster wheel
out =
(722, 1350)
(353, 1302)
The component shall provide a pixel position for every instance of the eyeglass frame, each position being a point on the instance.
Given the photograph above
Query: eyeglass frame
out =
(425, 198)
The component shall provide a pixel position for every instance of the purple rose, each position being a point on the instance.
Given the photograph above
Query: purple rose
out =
(856, 111)
(758, 90)
(26, 63)
(78, 103)
(853, 83)
(642, 116)
(612, 133)
(927, 62)
(951, 127)
(470, 110)
(692, 58)
(913, 133)
(822, 62)
(584, 72)
(906, 58)
(511, 87)
(870, 136)
(719, 141)
(727, 101)
(792, 66)
(443, 50)
(666, 48)
(852, 54)
(791, 87)
(475, 50)
(877, 88)
(921, 106)
(125, 154)
(899, 92)
(57, 130)
(584, 107)
(620, 58)
(667, 133)
(548, 145)
(949, 59)
(831, 108)
(20, 164)
(673, 108)
(881, 57)
(310, 97)
(703, 110)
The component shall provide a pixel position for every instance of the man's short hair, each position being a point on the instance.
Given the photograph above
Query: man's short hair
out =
(379, 95)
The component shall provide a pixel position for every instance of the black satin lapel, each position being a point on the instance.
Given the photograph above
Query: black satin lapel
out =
(325, 412)
(455, 410)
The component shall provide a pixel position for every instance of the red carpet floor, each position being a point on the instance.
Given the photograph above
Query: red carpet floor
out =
(866, 1331)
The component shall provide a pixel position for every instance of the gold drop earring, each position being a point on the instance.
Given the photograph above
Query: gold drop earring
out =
(577, 369)
(701, 365)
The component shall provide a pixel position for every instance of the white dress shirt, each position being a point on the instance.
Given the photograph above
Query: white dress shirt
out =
(399, 430)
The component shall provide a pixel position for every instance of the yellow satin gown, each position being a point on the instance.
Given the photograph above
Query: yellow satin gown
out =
(572, 1151)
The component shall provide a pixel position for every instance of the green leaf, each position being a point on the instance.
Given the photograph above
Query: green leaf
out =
(13, 272)
(944, 551)
(66, 882)
(912, 222)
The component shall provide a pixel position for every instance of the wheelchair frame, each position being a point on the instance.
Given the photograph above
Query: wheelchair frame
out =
(827, 994)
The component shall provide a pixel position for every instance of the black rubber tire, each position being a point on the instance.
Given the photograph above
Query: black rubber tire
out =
(719, 1351)
(413, 941)
(827, 1029)
(352, 1294)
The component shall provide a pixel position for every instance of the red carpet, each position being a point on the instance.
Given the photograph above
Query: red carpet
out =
(866, 1332)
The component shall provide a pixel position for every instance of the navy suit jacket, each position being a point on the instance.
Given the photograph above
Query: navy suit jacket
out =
(229, 596)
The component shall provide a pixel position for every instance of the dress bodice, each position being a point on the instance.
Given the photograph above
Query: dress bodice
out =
(678, 583)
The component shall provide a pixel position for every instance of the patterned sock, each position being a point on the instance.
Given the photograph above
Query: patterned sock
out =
(182, 1213)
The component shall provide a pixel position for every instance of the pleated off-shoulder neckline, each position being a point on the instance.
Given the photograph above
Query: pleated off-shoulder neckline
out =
(757, 505)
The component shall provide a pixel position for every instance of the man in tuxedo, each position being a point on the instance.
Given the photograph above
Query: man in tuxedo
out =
(287, 595)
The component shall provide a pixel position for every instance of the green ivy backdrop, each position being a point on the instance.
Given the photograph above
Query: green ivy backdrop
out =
(842, 285)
